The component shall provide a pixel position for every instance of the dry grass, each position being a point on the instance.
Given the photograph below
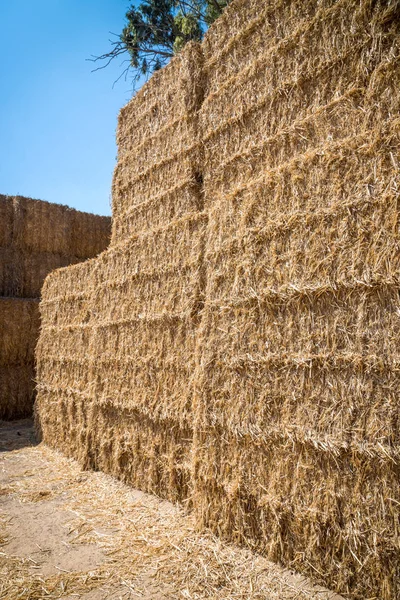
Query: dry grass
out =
(236, 348)
(151, 549)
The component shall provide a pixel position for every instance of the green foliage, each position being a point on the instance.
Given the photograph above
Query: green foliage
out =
(156, 30)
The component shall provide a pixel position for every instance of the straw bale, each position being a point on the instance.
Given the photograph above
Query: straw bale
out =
(119, 441)
(303, 505)
(296, 436)
(118, 338)
(9, 273)
(63, 349)
(19, 320)
(117, 352)
(40, 226)
(17, 391)
(35, 238)
(22, 273)
(89, 234)
(34, 268)
(44, 227)
(19, 326)
(154, 180)
(38, 237)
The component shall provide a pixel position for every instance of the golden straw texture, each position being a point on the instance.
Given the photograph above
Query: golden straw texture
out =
(236, 347)
(36, 237)
(155, 178)
(121, 347)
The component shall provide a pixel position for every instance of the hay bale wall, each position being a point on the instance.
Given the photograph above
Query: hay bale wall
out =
(296, 449)
(155, 177)
(36, 237)
(236, 347)
(125, 344)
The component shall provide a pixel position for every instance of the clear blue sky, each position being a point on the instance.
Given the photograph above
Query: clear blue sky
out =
(57, 119)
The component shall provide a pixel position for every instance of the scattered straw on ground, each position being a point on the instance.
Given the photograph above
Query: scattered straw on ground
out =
(65, 533)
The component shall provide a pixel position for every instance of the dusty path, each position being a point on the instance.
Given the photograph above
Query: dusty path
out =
(65, 533)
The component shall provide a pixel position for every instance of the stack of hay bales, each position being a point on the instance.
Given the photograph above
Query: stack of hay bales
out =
(297, 405)
(116, 355)
(19, 330)
(237, 346)
(36, 237)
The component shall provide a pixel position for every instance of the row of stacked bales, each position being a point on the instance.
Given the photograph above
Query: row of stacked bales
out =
(155, 178)
(297, 404)
(124, 343)
(36, 237)
(236, 347)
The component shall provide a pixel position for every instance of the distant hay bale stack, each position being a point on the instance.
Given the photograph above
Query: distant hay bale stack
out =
(19, 327)
(297, 439)
(22, 273)
(6, 220)
(36, 237)
(40, 227)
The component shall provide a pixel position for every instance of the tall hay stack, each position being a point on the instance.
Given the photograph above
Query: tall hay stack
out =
(237, 345)
(297, 405)
(125, 344)
(155, 179)
(36, 237)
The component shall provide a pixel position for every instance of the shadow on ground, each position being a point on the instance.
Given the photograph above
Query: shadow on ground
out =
(15, 435)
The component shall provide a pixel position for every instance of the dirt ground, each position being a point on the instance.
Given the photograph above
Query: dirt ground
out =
(66, 533)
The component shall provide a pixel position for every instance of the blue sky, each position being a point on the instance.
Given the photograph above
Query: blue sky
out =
(57, 119)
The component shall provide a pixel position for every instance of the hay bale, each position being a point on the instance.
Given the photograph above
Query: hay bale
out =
(155, 178)
(35, 238)
(121, 342)
(89, 234)
(43, 227)
(19, 330)
(34, 268)
(63, 353)
(38, 237)
(113, 349)
(40, 226)
(19, 326)
(22, 273)
(17, 391)
(10, 284)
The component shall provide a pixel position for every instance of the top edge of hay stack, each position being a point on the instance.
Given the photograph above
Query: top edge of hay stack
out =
(237, 346)
(37, 237)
